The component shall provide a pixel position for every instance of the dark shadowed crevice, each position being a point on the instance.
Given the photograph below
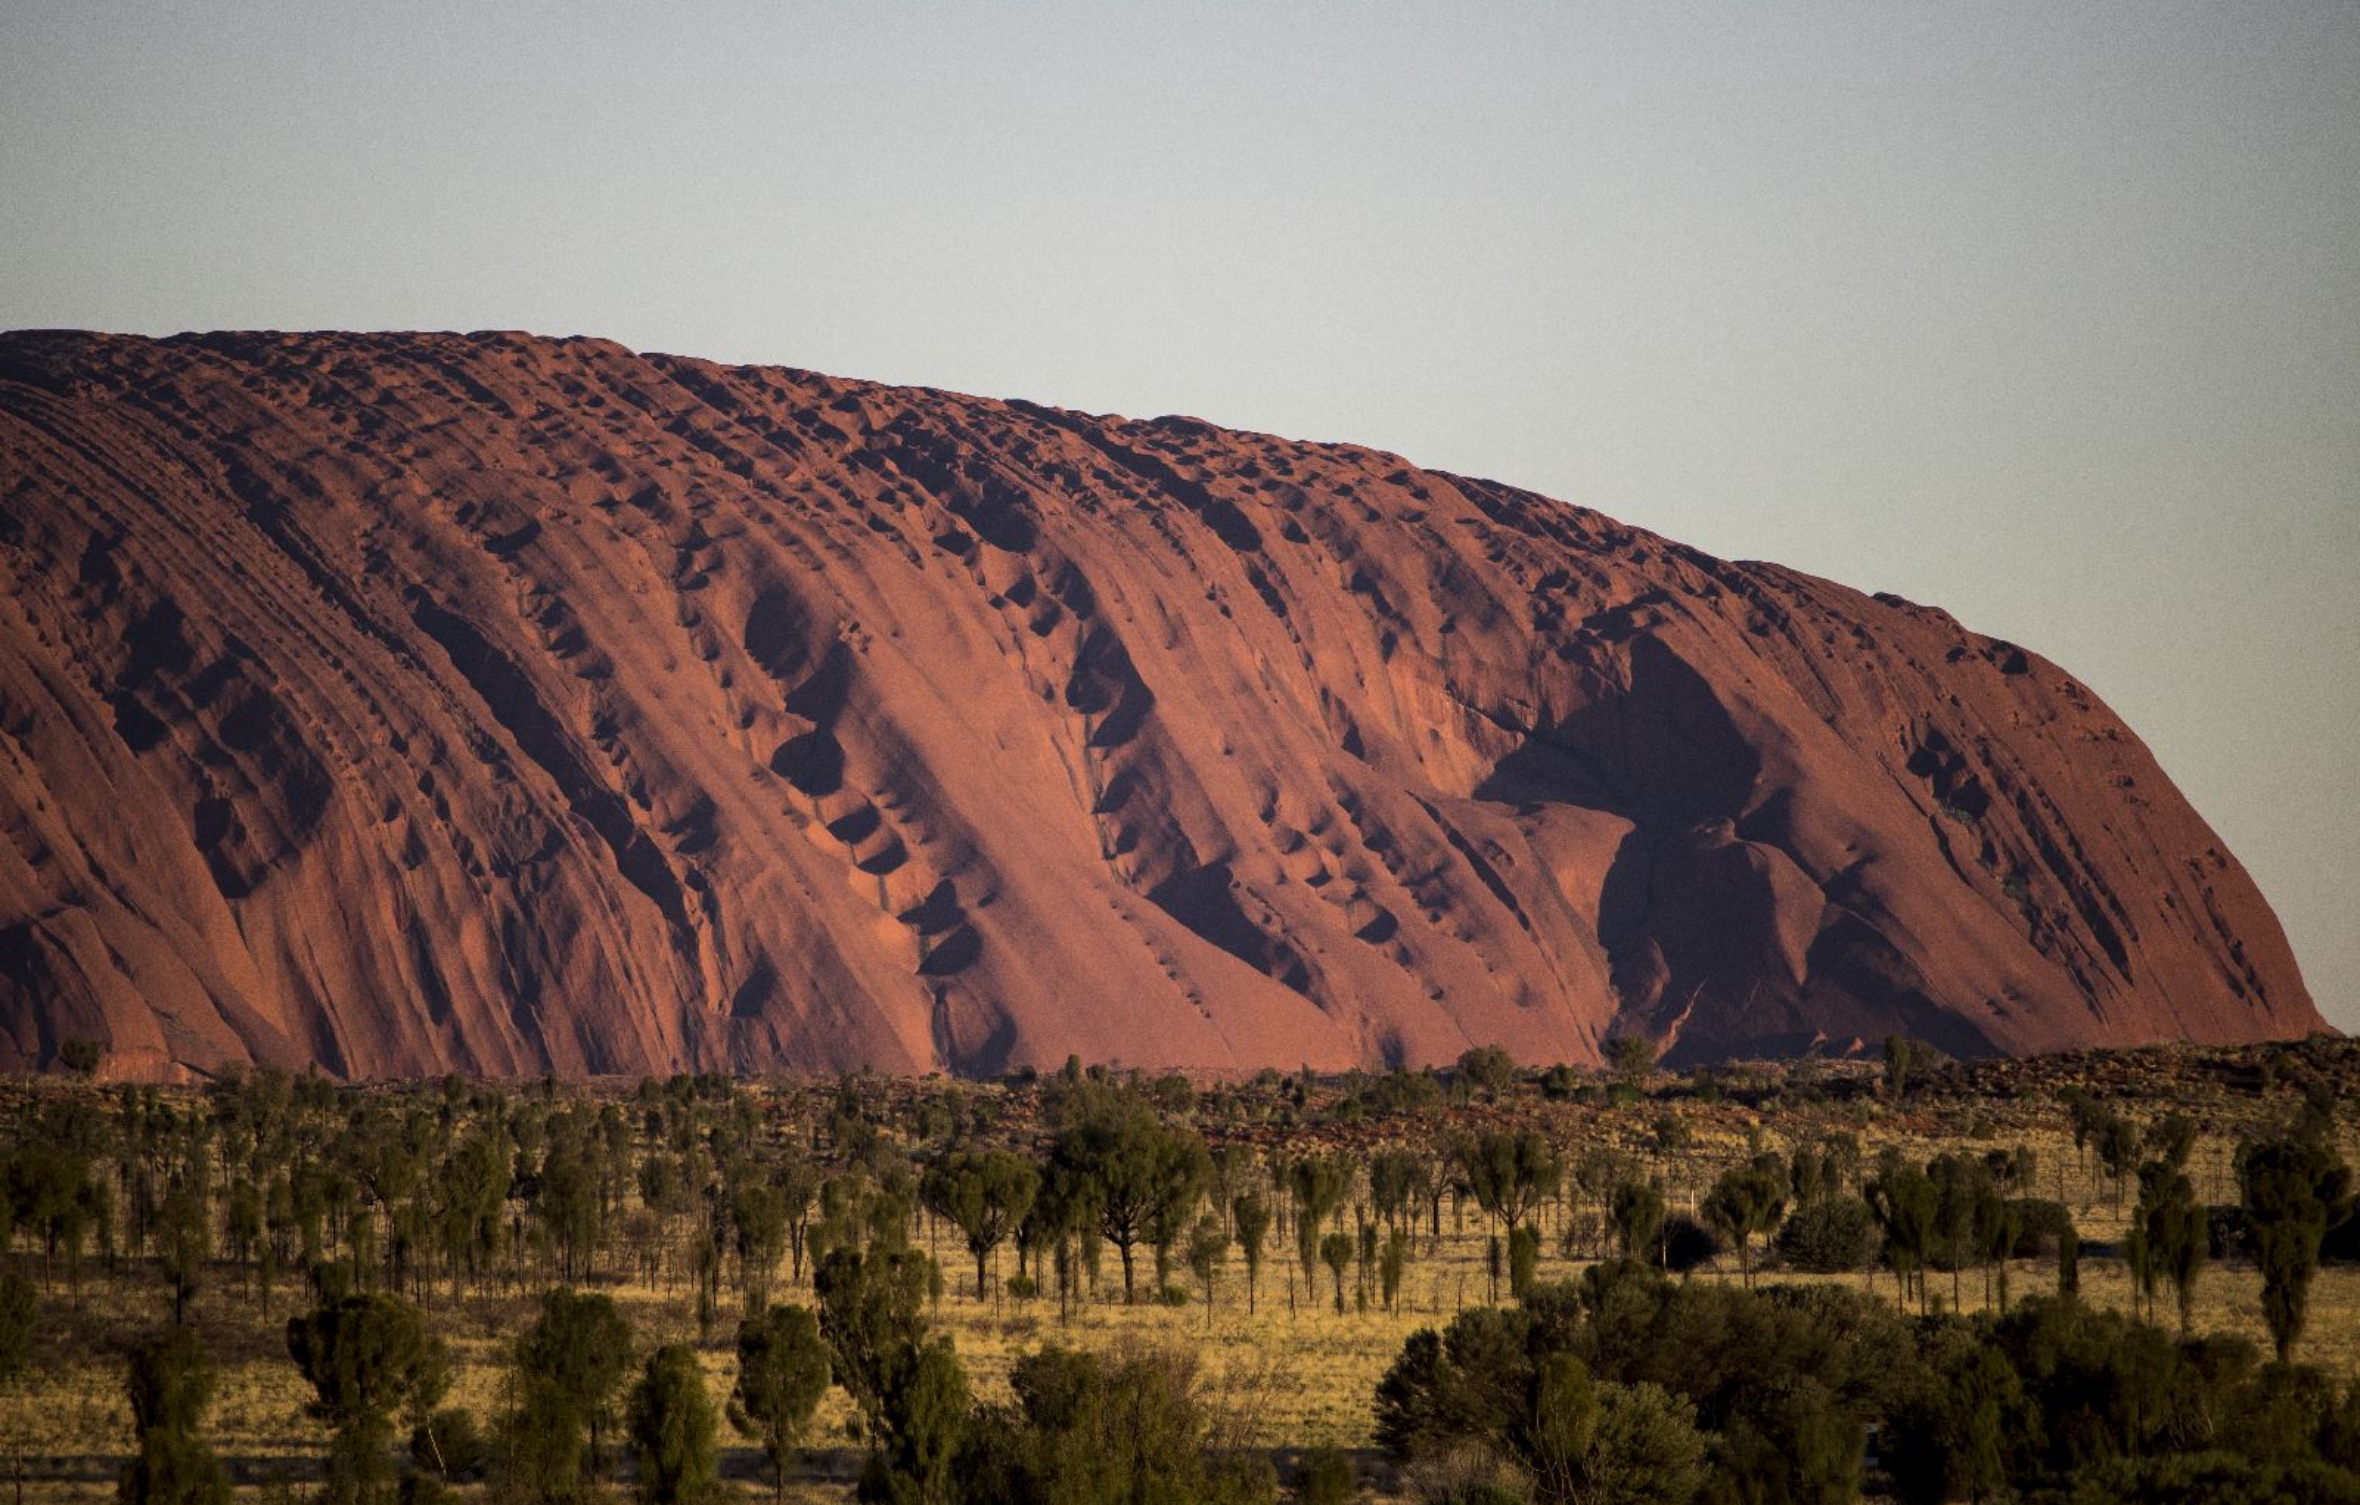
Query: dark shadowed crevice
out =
(508, 695)
(1204, 900)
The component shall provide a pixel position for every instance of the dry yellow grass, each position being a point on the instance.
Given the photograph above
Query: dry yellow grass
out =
(1304, 1375)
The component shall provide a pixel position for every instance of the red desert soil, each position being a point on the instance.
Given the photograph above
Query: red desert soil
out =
(411, 702)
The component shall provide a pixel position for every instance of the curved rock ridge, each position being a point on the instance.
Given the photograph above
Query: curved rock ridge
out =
(417, 702)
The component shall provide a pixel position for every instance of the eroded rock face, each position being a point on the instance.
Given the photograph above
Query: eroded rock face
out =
(414, 702)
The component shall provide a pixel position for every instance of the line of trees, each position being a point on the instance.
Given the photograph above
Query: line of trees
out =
(358, 1210)
(279, 1182)
(274, 1180)
(1629, 1386)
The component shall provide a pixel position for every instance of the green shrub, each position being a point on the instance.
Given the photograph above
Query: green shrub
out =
(170, 1382)
(1524, 1259)
(1831, 1235)
(672, 1427)
(1687, 1244)
(450, 1445)
(783, 1370)
(367, 1357)
(2040, 1226)
(1088, 1427)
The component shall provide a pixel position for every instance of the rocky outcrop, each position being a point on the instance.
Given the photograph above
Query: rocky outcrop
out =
(404, 703)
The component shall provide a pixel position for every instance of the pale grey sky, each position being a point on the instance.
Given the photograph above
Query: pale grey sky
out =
(2047, 313)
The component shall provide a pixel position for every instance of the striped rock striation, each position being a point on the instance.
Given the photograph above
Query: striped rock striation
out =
(406, 703)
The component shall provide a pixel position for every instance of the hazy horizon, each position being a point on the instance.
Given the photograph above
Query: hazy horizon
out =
(2047, 315)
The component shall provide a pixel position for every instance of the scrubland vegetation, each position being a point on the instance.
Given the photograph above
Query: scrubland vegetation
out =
(2091, 1278)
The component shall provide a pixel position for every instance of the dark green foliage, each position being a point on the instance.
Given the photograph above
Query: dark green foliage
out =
(53, 1197)
(367, 1358)
(1507, 1384)
(2212, 1478)
(1948, 1439)
(20, 1305)
(1630, 1058)
(922, 1419)
(1824, 1169)
(1608, 1444)
(2166, 1241)
(870, 1313)
(758, 1235)
(1092, 1429)
(1828, 1235)
(1462, 1382)
(2040, 1223)
(563, 1377)
(2060, 1393)
(1488, 1069)
(985, 1195)
(568, 1207)
(782, 1371)
(451, 1446)
(1335, 1251)
(184, 1240)
(911, 1392)
(1396, 1185)
(1736, 1355)
(1747, 1200)
(1139, 1171)
(1392, 1265)
(80, 1056)
(1318, 1186)
(2286, 1412)
(1524, 1259)
(2117, 1141)
(798, 1184)
(2294, 1190)
(1685, 1245)
(1250, 1217)
(1907, 1209)
(1637, 1213)
(1897, 1063)
(169, 1384)
(2173, 1138)
(470, 1202)
(2053, 1402)
(1510, 1173)
(671, 1420)
(1798, 1445)
(1646, 1450)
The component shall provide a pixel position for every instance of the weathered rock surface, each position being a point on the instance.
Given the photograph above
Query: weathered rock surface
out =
(413, 702)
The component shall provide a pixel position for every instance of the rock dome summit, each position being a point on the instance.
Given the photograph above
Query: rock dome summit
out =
(420, 702)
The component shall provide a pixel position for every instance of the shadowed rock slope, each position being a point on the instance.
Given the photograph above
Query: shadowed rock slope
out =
(412, 702)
